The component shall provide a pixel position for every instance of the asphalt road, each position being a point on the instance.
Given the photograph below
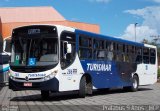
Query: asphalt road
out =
(147, 98)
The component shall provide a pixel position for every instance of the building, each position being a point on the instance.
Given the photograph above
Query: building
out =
(20, 16)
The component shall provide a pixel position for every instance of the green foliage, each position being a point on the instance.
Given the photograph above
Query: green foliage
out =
(159, 72)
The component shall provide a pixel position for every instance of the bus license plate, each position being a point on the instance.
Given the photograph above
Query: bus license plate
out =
(28, 84)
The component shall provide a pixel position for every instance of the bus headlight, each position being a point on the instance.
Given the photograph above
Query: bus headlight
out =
(52, 75)
(12, 77)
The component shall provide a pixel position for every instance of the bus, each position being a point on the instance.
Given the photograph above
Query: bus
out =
(4, 63)
(6, 46)
(55, 58)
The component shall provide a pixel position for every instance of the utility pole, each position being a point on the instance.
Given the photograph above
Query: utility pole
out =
(135, 25)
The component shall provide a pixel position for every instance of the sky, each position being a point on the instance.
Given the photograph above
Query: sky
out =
(115, 17)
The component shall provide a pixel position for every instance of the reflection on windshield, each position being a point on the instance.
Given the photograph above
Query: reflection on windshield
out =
(34, 51)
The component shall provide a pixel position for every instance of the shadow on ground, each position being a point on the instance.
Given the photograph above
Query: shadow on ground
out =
(71, 95)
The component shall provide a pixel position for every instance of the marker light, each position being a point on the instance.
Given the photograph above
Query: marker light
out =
(52, 75)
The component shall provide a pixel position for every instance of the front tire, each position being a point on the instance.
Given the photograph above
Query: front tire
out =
(82, 87)
(44, 94)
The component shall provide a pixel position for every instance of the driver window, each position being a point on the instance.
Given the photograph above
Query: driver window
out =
(67, 58)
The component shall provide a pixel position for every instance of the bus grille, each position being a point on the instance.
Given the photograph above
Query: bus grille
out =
(28, 79)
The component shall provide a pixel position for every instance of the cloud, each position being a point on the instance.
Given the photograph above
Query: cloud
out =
(150, 25)
(142, 32)
(158, 1)
(100, 1)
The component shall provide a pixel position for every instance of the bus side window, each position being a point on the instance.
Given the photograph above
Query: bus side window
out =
(146, 55)
(101, 54)
(95, 46)
(123, 53)
(4, 59)
(138, 55)
(152, 56)
(119, 51)
(101, 51)
(110, 49)
(85, 47)
(8, 45)
(67, 58)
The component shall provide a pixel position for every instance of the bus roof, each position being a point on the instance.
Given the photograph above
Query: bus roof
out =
(109, 38)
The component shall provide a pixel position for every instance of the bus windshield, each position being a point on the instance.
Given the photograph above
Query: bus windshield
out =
(40, 49)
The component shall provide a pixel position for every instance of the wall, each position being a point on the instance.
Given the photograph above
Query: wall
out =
(7, 27)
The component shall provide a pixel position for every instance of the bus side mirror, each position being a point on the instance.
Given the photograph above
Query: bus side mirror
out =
(4, 48)
(69, 48)
(4, 45)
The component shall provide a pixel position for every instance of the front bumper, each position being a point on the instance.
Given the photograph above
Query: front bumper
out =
(51, 85)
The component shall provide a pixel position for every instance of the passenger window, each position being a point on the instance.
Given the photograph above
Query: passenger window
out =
(146, 55)
(85, 47)
(132, 54)
(119, 57)
(85, 53)
(133, 50)
(101, 54)
(99, 51)
(84, 41)
(109, 46)
(120, 54)
(152, 56)
(124, 55)
(124, 48)
(109, 52)
(138, 55)
(120, 47)
(67, 58)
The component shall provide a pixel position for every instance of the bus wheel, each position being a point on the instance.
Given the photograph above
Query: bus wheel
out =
(135, 84)
(44, 94)
(82, 88)
(89, 88)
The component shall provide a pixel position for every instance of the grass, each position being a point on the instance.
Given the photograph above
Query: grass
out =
(158, 72)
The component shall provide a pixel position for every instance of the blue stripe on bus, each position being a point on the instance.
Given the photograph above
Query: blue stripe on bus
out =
(109, 38)
(4, 69)
(105, 79)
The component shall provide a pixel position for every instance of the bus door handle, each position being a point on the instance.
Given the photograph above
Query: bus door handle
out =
(122, 73)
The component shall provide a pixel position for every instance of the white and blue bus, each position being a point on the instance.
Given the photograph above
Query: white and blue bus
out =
(54, 58)
(4, 65)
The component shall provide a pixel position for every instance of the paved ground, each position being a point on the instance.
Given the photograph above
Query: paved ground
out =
(31, 100)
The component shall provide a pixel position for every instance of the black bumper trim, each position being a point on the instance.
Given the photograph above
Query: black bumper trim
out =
(52, 85)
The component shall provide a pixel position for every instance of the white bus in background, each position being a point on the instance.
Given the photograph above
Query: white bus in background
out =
(4, 61)
(54, 58)
(7, 46)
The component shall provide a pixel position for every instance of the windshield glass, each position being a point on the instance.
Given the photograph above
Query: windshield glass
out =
(7, 45)
(40, 49)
